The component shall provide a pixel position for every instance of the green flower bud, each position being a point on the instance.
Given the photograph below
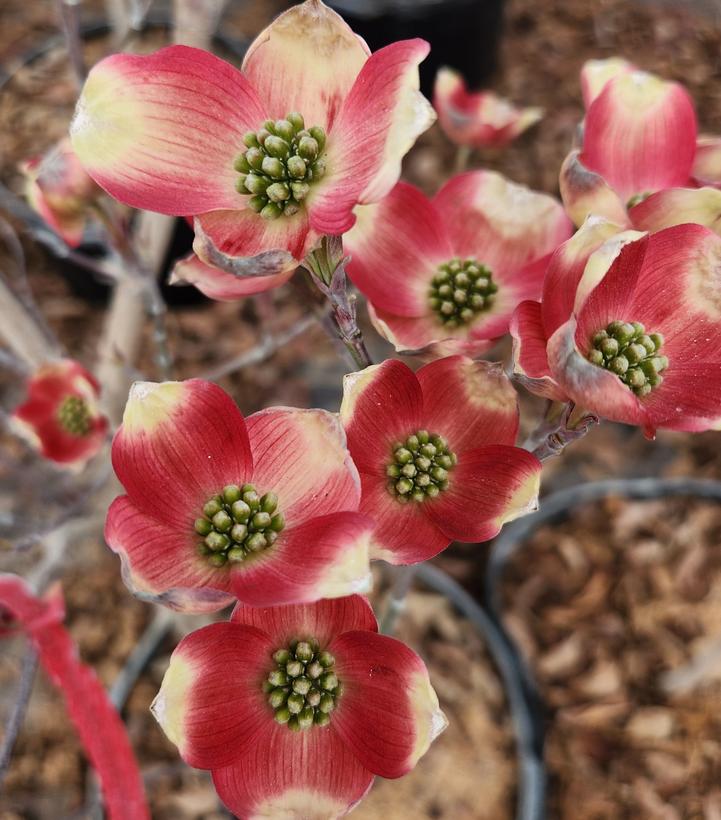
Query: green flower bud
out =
(254, 157)
(222, 521)
(250, 140)
(304, 651)
(202, 526)
(239, 533)
(241, 164)
(314, 669)
(327, 703)
(277, 522)
(217, 559)
(296, 120)
(282, 715)
(276, 147)
(256, 184)
(240, 511)
(300, 190)
(273, 167)
(308, 148)
(318, 135)
(278, 192)
(321, 719)
(284, 129)
(212, 507)
(271, 211)
(295, 703)
(296, 167)
(277, 698)
(257, 203)
(256, 542)
(301, 685)
(294, 667)
(269, 502)
(236, 555)
(216, 541)
(231, 493)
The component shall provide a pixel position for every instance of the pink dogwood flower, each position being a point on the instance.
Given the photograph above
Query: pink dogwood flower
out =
(481, 119)
(640, 163)
(218, 507)
(445, 274)
(435, 454)
(629, 327)
(60, 415)
(59, 189)
(294, 709)
(268, 158)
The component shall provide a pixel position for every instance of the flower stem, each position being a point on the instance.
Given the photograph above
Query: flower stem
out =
(326, 266)
(403, 578)
(558, 429)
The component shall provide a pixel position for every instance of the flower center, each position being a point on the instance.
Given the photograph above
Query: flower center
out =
(419, 467)
(74, 416)
(237, 523)
(282, 160)
(303, 688)
(627, 350)
(461, 290)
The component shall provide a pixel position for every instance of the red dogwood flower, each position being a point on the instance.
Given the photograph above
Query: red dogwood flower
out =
(60, 415)
(640, 163)
(629, 327)
(218, 507)
(447, 273)
(60, 190)
(294, 709)
(268, 158)
(435, 454)
(481, 119)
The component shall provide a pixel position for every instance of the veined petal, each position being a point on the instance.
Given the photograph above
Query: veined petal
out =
(380, 404)
(530, 359)
(211, 703)
(306, 60)
(566, 268)
(488, 487)
(396, 247)
(160, 563)
(640, 134)
(689, 398)
(243, 243)
(707, 162)
(161, 131)
(585, 193)
(590, 386)
(301, 455)
(676, 206)
(311, 775)
(403, 533)
(321, 620)
(424, 336)
(501, 224)
(388, 713)
(180, 440)
(616, 261)
(677, 291)
(220, 285)
(468, 403)
(380, 120)
(596, 73)
(325, 557)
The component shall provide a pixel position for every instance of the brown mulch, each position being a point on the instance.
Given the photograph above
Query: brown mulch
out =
(617, 608)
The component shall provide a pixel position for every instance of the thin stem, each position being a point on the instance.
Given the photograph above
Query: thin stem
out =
(262, 351)
(70, 19)
(17, 715)
(326, 266)
(396, 600)
(558, 429)
(463, 156)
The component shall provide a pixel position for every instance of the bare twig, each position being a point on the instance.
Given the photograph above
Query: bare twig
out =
(17, 715)
(397, 595)
(141, 655)
(69, 12)
(262, 351)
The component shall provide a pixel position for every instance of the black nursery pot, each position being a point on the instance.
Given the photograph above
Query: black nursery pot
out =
(464, 34)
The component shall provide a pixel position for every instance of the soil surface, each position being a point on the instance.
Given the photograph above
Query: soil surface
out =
(617, 607)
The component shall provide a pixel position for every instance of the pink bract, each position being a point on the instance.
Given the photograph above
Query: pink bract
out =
(667, 283)
(165, 132)
(399, 246)
(481, 119)
(60, 415)
(214, 706)
(468, 412)
(181, 445)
